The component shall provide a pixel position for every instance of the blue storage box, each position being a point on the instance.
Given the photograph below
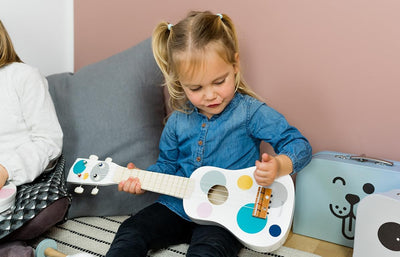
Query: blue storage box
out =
(329, 189)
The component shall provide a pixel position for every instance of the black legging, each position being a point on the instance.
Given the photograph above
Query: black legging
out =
(157, 227)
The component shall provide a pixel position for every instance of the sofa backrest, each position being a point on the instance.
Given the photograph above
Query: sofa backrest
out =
(114, 108)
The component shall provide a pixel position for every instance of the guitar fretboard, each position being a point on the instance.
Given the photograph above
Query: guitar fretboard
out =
(166, 184)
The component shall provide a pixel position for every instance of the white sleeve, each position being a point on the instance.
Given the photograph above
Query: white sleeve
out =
(31, 158)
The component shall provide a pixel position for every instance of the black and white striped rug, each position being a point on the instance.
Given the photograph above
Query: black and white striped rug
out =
(95, 234)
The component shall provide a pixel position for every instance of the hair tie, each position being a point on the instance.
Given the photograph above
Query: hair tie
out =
(170, 26)
(220, 15)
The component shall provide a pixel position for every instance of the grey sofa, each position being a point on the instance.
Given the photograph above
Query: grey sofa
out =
(114, 108)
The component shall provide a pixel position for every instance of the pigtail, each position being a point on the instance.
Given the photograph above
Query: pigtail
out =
(159, 46)
(162, 35)
(229, 28)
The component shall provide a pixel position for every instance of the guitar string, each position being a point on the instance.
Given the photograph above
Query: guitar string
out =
(223, 193)
(181, 187)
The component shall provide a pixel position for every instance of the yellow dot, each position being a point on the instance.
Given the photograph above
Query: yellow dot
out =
(245, 182)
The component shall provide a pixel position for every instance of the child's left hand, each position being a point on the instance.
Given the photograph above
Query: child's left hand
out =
(266, 170)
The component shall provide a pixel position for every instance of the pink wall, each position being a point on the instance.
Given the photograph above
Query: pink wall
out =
(331, 67)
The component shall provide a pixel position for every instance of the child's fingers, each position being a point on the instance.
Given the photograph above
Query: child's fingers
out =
(263, 178)
(121, 185)
(265, 172)
(131, 185)
(266, 157)
(264, 166)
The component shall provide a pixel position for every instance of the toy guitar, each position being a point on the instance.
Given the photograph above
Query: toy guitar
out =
(260, 217)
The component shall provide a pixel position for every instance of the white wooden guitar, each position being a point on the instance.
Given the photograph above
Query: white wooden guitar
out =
(260, 217)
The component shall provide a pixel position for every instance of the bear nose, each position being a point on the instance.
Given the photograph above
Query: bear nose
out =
(352, 199)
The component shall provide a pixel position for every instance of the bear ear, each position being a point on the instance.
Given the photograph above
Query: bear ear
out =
(368, 188)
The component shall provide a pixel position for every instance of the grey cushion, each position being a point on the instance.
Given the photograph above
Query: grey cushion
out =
(113, 108)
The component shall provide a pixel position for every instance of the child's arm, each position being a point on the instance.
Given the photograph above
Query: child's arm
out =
(43, 141)
(131, 185)
(271, 167)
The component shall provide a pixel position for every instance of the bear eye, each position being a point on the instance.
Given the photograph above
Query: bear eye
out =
(368, 188)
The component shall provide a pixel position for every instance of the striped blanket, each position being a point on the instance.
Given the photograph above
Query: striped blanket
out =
(95, 234)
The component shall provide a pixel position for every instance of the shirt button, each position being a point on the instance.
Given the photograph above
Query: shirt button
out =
(203, 125)
(198, 159)
(200, 142)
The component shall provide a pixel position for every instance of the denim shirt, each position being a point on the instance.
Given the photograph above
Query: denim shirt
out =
(229, 140)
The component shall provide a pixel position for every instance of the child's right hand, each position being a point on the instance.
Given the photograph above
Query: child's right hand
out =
(131, 185)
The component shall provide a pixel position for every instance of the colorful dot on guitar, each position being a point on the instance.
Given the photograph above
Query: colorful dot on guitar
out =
(211, 179)
(100, 171)
(204, 210)
(275, 230)
(245, 182)
(247, 222)
(79, 166)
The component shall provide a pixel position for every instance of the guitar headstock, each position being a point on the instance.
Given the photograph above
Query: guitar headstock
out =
(91, 171)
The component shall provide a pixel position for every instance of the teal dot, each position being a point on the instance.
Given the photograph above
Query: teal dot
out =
(247, 222)
(79, 167)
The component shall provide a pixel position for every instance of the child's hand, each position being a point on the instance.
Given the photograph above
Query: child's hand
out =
(270, 168)
(3, 176)
(266, 170)
(131, 185)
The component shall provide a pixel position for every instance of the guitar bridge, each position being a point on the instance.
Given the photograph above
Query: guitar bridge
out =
(262, 202)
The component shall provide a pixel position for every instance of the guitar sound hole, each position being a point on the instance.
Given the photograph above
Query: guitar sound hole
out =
(218, 194)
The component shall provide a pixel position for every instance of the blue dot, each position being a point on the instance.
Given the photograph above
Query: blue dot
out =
(275, 230)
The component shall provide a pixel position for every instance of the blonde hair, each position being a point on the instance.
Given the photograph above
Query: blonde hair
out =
(7, 52)
(192, 35)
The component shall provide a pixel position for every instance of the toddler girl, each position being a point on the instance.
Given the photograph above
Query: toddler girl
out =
(217, 121)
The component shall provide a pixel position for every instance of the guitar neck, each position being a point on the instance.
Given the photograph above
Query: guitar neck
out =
(180, 187)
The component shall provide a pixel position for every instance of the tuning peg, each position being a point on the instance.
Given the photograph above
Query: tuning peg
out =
(95, 191)
(79, 190)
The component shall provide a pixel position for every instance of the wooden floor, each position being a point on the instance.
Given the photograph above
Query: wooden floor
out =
(312, 245)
